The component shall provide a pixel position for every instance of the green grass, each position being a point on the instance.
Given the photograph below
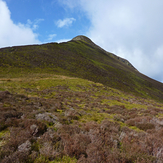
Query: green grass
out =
(36, 84)
(65, 159)
(4, 134)
(95, 116)
(39, 83)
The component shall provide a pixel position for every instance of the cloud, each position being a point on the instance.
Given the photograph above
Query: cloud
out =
(130, 29)
(51, 36)
(35, 24)
(14, 34)
(69, 3)
(65, 22)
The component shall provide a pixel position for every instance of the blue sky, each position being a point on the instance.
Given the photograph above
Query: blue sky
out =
(51, 20)
(132, 29)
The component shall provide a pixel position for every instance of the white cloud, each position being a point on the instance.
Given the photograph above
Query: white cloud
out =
(51, 36)
(130, 29)
(65, 22)
(14, 34)
(36, 23)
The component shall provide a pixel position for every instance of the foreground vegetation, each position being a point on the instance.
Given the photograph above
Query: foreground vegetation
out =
(47, 118)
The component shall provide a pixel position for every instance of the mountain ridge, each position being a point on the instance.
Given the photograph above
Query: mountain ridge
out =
(88, 40)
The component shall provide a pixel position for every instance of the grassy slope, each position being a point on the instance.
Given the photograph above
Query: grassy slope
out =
(78, 59)
(94, 123)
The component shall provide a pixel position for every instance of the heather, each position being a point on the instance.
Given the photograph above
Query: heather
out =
(55, 118)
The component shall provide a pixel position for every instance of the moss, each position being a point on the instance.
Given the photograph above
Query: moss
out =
(64, 159)
(41, 159)
(6, 105)
(35, 146)
(60, 111)
(159, 115)
(94, 116)
(4, 133)
(135, 128)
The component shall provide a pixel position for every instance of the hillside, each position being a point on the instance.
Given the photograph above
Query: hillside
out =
(58, 119)
(80, 58)
(74, 102)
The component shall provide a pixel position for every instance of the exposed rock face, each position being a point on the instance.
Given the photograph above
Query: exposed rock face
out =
(86, 39)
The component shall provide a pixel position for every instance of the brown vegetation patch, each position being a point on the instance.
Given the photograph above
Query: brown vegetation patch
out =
(48, 129)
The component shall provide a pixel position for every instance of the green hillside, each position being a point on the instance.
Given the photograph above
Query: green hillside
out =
(79, 58)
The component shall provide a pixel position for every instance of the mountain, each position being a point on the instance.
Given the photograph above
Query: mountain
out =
(74, 102)
(84, 38)
(82, 58)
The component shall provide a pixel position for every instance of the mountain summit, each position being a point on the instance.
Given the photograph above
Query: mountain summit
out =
(84, 38)
(89, 41)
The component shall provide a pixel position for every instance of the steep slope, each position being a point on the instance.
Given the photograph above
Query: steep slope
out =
(86, 39)
(80, 57)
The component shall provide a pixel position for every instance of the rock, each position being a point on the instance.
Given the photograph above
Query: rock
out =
(157, 121)
(49, 117)
(34, 129)
(122, 135)
(72, 114)
(58, 125)
(25, 147)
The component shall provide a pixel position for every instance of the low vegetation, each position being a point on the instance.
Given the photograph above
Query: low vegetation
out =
(47, 118)
(82, 59)
(76, 103)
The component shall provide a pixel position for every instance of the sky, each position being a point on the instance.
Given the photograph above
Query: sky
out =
(132, 29)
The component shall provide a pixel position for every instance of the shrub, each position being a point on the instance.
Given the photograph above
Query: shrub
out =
(17, 137)
(2, 124)
(41, 159)
(64, 159)
(145, 126)
(76, 145)
(40, 125)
